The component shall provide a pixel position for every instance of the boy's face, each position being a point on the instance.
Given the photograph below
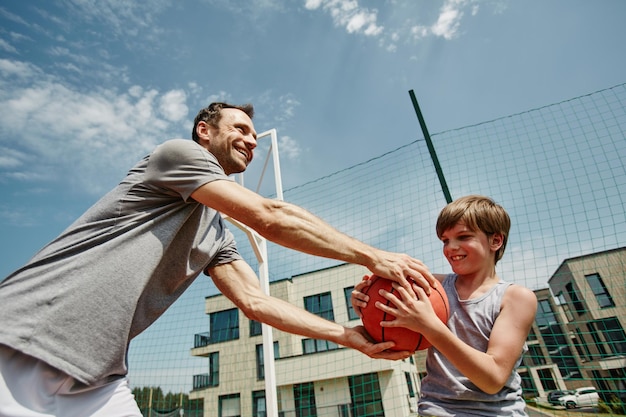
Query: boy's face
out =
(467, 250)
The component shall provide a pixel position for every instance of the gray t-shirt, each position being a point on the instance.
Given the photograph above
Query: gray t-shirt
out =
(79, 301)
(446, 392)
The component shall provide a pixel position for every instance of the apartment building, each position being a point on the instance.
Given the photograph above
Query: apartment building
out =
(577, 340)
(590, 291)
(313, 377)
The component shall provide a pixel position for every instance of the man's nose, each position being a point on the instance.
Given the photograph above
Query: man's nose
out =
(250, 141)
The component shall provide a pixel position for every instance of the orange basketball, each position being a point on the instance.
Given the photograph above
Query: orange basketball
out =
(405, 339)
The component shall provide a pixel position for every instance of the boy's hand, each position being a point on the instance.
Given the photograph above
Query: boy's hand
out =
(358, 299)
(413, 310)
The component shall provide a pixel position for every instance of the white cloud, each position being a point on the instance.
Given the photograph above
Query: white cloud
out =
(10, 158)
(356, 19)
(449, 20)
(172, 105)
(312, 4)
(88, 138)
(123, 18)
(419, 32)
(348, 14)
(6, 46)
(288, 148)
(19, 69)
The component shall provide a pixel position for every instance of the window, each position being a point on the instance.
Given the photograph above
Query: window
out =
(547, 379)
(535, 355)
(555, 340)
(581, 347)
(321, 305)
(229, 405)
(347, 293)
(603, 297)
(224, 325)
(573, 295)
(366, 396)
(260, 361)
(304, 396)
(317, 345)
(597, 341)
(545, 315)
(214, 369)
(255, 328)
(258, 404)
(409, 384)
(212, 379)
(561, 302)
(613, 333)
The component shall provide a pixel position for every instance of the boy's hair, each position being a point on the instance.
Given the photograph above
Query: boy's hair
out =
(478, 213)
(212, 115)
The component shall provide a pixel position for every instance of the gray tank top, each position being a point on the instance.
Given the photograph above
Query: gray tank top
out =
(447, 392)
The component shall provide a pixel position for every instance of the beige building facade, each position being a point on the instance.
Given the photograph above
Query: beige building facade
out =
(313, 378)
(577, 340)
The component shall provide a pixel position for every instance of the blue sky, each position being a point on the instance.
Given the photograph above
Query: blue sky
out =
(87, 87)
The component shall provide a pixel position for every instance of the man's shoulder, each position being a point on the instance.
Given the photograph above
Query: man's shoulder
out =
(179, 143)
(182, 149)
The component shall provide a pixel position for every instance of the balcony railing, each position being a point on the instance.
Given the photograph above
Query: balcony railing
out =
(202, 381)
(201, 340)
(339, 410)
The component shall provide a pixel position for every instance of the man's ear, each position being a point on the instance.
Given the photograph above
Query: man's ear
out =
(204, 131)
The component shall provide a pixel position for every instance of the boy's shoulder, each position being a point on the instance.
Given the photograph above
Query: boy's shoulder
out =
(520, 296)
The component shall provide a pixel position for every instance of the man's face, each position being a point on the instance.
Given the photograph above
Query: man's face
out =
(233, 141)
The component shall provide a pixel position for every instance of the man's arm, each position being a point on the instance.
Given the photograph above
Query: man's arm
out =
(238, 282)
(295, 228)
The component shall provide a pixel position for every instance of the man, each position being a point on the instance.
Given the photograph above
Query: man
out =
(68, 316)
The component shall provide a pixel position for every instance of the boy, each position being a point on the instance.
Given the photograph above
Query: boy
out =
(471, 366)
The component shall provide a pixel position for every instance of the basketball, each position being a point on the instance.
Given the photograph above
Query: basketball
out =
(405, 339)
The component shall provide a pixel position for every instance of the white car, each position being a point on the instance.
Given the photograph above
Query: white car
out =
(581, 397)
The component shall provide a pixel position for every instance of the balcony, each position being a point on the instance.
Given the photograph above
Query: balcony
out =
(202, 381)
(201, 340)
(339, 410)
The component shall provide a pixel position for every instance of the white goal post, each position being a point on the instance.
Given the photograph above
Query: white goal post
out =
(259, 245)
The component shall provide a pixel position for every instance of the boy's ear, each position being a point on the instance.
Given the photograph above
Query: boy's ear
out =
(496, 241)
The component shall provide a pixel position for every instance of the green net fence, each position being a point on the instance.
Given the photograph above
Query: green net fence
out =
(559, 171)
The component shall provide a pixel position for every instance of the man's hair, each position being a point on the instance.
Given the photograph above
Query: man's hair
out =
(213, 113)
(478, 213)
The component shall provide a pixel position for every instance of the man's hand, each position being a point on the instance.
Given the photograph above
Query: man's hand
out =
(400, 267)
(357, 338)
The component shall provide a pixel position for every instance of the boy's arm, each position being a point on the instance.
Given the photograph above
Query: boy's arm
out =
(295, 228)
(489, 370)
